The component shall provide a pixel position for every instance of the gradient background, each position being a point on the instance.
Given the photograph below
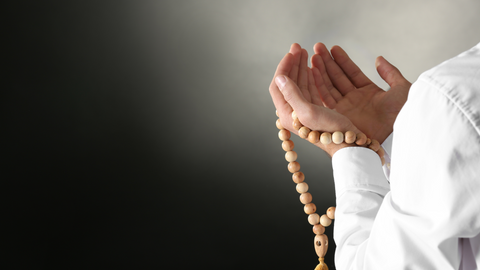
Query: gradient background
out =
(141, 134)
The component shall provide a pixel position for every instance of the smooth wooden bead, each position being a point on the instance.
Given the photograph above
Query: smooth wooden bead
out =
(310, 208)
(313, 219)
(291, 156)
(294, 115)
(279, 125)
(305, 198)
(337, 137)
(296, 124)
(314, 136)
(369, 141)
(325, 221)
(288, 145)
(302, 187)
(303, 132)
(298, 177)
(293, 167)
(318, 229)
(361, 139)
(326, 138)
(375, 145)
(276, 112)
(331, 212)
(321, 245)
(350, 136)
(284, 134)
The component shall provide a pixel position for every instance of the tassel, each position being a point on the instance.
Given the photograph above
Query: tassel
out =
(321, 265)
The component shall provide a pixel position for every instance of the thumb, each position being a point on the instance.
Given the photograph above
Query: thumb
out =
(389, 73)
(291, 93)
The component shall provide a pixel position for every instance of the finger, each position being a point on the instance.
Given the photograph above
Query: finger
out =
(302, 80)
(292, 95)
(336, 74)
(326, 97)
(296, 51)
(351, 70)
(283, 68)
(389, 73)
(317, 62)
(312, 88)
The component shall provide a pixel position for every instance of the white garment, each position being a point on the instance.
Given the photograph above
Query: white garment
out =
(428, 216)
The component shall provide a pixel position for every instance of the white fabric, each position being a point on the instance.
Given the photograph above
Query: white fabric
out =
(428, 216)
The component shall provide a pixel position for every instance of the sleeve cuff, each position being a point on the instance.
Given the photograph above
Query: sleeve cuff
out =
(358, 168)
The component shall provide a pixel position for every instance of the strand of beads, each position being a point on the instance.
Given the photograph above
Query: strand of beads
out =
(319, 222)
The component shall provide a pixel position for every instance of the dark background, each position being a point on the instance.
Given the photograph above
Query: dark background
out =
(140, 134)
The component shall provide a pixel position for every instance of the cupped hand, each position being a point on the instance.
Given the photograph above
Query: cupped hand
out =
(344, 88)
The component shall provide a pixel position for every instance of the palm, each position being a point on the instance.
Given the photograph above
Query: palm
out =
(344, 88)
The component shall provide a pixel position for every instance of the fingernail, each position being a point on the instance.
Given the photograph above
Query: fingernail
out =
(280, 81)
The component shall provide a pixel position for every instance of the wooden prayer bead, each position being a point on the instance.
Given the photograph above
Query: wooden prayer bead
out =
(369, 141)
(375, 145)
(302, 187)
(303, 132)
(313, 219)
(350, 136)
(305, 198)
(310, 208)
(293, 167)
(276, 112)
(296, 124)
(298, 177)
(337, 137)
(291, 156)
(361, 139)
(284, 134)
(331, 212)
(318, 229)
(314, 136)
(325, 221)
(294, 115)
(279, 125)
(288, 145)
(326, 138)
(321, 245)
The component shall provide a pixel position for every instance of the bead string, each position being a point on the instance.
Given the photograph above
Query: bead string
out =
(319, 222)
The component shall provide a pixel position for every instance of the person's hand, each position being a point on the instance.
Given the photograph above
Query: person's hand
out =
(345, 88)
(298, 92)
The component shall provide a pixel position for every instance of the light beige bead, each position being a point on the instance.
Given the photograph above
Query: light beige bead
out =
(305, 198)
(293, 167)
(288, 145)
(331, 212)
(294, 115)
(279, 125)
(321, 245)
(310, 208)
(375, 145)
(302, 187)
(303, 132)
(318, 229)
(276, 112)
(284, 134)
(337, 137)
(381, 154)
(297, 124)
(350, 136)
(361, 139)
(313, 219)
(298, 177)
(291, 156)
(325, 221)
(369, 141)
(326, 138)
(314, 136)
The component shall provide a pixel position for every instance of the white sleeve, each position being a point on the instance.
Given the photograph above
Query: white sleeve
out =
(360, 187)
